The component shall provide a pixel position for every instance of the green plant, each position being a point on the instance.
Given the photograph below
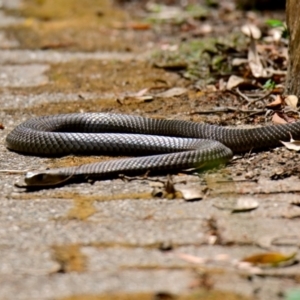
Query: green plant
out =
(280, 25)
(269, 84)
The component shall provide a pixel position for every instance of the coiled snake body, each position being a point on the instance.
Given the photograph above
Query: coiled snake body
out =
(184, 144)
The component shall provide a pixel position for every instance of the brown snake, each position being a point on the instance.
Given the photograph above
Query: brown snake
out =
(167, 144)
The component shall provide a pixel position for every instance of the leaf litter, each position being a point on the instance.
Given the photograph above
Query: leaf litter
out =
(270, 259)
(252, 264)
(254, 77)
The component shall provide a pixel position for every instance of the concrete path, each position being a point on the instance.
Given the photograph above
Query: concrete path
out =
(85, 241)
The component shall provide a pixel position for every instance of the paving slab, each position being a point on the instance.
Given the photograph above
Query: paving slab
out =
(111, 236)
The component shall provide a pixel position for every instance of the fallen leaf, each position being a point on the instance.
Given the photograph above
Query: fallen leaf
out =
(242, 204)
(131, 25)
(192, 193)
(176, 91)
(271, 258)
(139, 26)
(138, 97)
(191, 258)
(292, 144)
(211, 88)
(251, 30)
(1, 126)
(276, 119)
(277, 102)
(254, 61)
(245, 204)
(292, 101)
(239, 61)
(234, 81)
(221, 84)
(134, 100)
(140, 93)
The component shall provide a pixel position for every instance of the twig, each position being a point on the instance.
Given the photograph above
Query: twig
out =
(7, 171)
(247, 98)
(228, 109)
(259, 98)
(242, 95)
(131, 178)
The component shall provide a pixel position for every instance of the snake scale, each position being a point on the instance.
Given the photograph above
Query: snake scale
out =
(160, 144)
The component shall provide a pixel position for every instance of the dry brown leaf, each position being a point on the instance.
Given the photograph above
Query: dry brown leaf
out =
(134, 100)
(270, 258)
(211, 88)
(176, 91)
(192, 193)
(245, 204)
(132, 25)
(254, 61)
(234, 81)
(292, 144)
(277, 102)
(138, 97)
(239, 61)
(291, 100)
(242, 204)
(276, 119)
(191, 258)
(139, 26)
(140, 93)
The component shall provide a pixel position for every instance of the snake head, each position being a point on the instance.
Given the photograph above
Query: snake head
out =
(44, 179)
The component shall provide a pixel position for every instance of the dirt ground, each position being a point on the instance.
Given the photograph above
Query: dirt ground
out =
(226, 233)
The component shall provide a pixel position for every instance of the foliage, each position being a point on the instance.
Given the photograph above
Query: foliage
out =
(269, 84)
(274, 23)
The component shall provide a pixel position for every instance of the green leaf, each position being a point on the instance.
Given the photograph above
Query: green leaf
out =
(275, 23)
(269, 84)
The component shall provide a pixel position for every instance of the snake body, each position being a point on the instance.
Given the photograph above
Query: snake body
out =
(167, 144)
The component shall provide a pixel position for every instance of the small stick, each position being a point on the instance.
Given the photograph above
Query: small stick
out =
(229, 109)
(7, 171)
(260, 98)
